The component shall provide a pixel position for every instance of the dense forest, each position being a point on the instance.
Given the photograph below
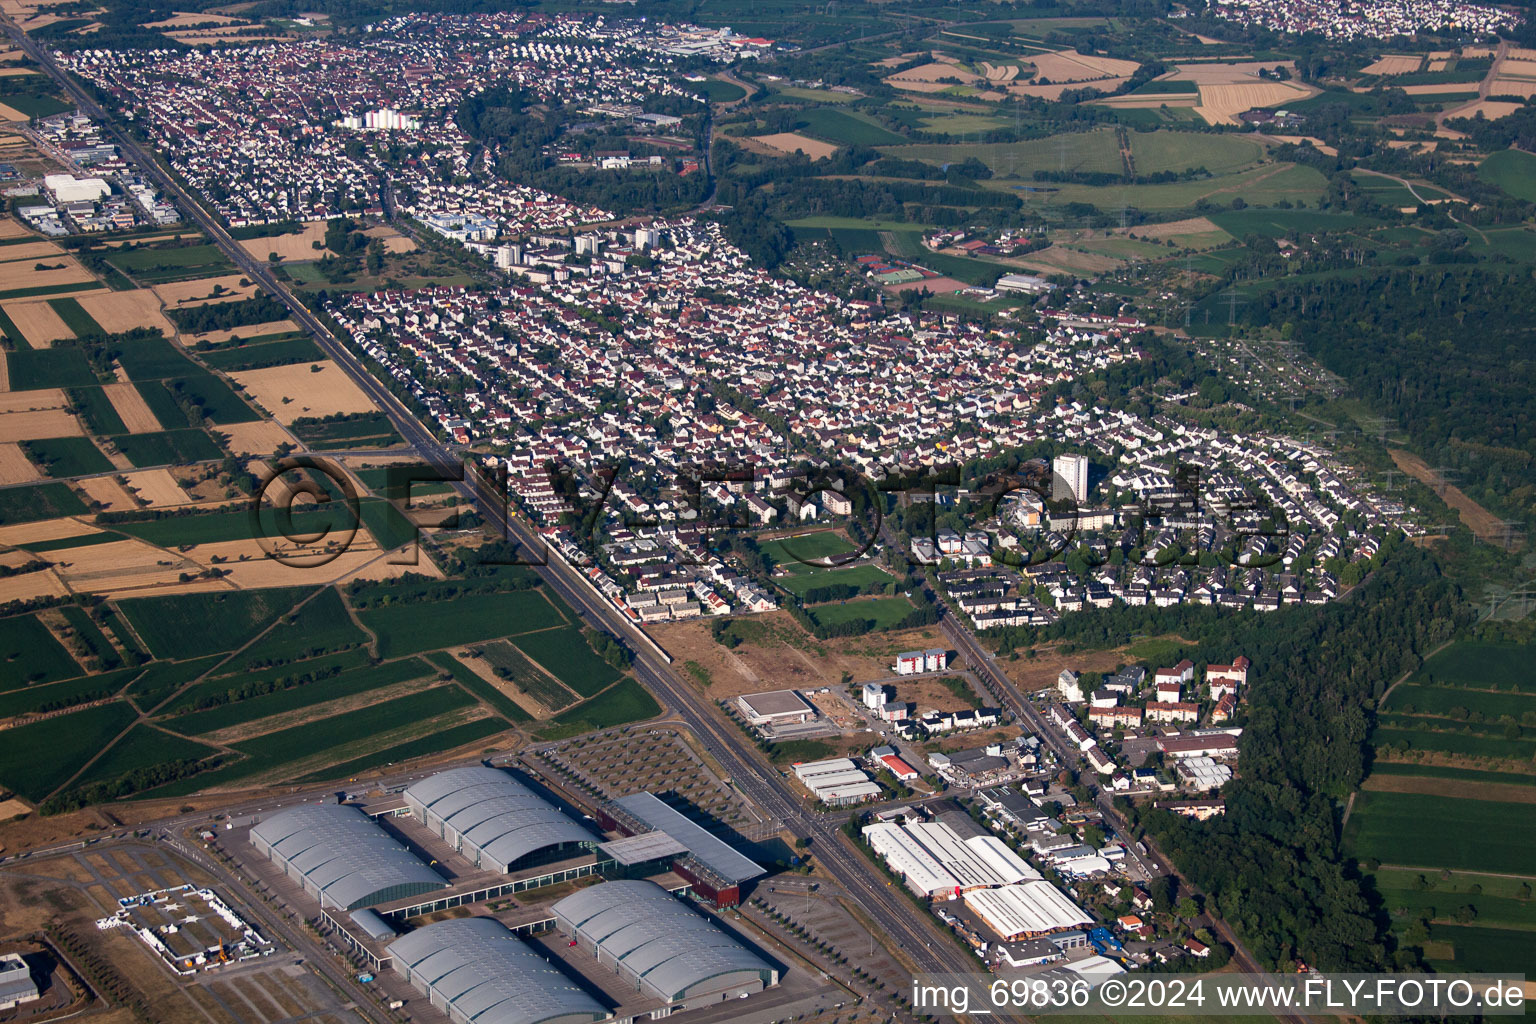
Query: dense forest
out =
(1440, 350)
(1272, 865)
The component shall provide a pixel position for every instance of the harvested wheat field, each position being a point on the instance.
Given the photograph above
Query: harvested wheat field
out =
(38, 322)
(123, 311)
(293, 248)
(1229, 72)
(789, 142)
(38, 250)
(290, 392)
(157, 487)
(1394, 64)
(383, 569)
(1149, 102)
(125, 568)
(260, 437)
(12, 114)
(28, 415)
(931, 74)
(109, 492)
(1491, 110)
(248, 331)
(1175, 228)
(1220, 104)
(131, 408)
(1512, 87)
(1055, 259)
(394, 241)
(185, 294)
(61, 270)
(1003, 73)
(182, 19)
(30, 586)
(45, 529)
(12, 229)
(1053, 92)
(1071, 66)
(15, 467)
(248, 566)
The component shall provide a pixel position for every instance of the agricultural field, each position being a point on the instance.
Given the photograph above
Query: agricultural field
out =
(1512, 170)
(1420, 830)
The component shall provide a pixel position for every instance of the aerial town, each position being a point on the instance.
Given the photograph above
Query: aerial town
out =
(1368, 19)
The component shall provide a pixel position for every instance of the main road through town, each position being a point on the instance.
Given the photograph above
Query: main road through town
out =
(914, 934)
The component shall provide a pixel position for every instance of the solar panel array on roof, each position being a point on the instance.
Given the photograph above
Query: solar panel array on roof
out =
(342, 857)
(494, 820)
(715, 854)
(478, 972)
(659, 944)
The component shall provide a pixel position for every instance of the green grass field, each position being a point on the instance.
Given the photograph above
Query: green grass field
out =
(1466, 741)
(97, 410)
(167, 447)
(1092, 152)
(1480, 665)
(1443, 772)
(846, 128)
(30, 653)
(175, 262)
(431, 743)
(253, 709)
(717, 91)
(90, 634)
(234, 524)
(38, 501)
(1261, 186)
(1429, 699)
(37, 759)
(626, 701)
(164, 678)
(75, 317)
(48, 368)
(51, 696)
(192, 625)
(853, 576)
(410, 628)
(1154, 152)
(256, 356)
(320, 626)
(1432, 831)
(567, 656)
(884, 611)
(143, 747)
(1512, 170)
(1485, 949)
(67, 456)
(791, 553)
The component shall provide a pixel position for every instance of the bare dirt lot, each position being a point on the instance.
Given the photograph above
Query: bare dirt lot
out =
(123, 311)
(1479, 520)
(781, 655)
(291, 392)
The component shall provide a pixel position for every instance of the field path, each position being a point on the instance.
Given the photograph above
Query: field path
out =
(1404, 677)
(1436, 869)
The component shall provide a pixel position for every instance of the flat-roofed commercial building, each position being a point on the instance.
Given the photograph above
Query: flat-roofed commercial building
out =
(662, 947)
(477, 972)
(1026, 910)
(343, 858)
(776, 707)
(494, 821)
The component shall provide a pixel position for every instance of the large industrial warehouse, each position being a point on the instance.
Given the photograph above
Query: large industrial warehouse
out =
(495, 821)
(342, 857)
(477, 972)
(661, 946)
(715, 868)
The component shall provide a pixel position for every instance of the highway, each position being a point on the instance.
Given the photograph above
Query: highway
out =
(914, 933)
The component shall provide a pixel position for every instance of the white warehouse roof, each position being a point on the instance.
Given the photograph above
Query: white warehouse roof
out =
(495, 816)
(714, 853)
(478, 972)
(656, 941)
(1028, 908)
(342, 857)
